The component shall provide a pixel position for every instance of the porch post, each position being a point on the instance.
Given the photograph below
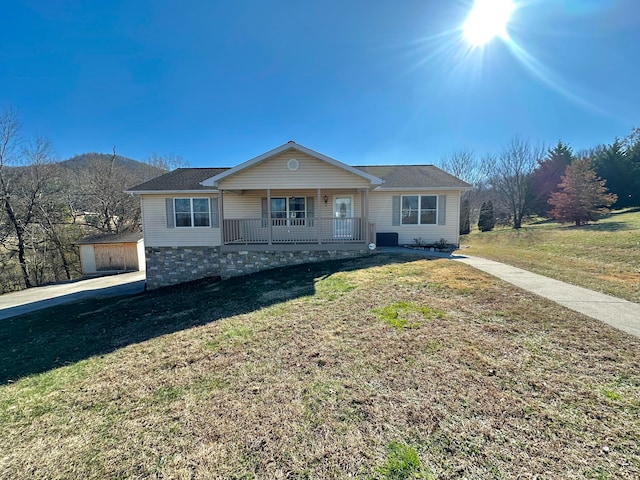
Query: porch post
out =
(318, 216)
(269, 222)
(221, 216)
(366, 216)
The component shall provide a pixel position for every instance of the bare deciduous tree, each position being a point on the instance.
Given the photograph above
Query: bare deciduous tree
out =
(166, 162)
(24, 173)
(462, 164)
(114, 210)
(465, 165)
(509, 173)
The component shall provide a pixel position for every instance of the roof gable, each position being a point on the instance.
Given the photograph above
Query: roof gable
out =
(213, 181)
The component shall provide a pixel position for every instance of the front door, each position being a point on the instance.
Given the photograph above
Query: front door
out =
(343, 217)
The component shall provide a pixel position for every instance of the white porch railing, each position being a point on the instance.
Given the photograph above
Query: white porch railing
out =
(247, 231)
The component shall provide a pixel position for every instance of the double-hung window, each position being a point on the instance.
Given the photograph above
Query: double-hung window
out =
(192, 212)
(419, 209)
(288, 210)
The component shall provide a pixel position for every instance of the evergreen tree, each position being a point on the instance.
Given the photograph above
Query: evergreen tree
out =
(619, 165)
(487, 220)
(547, 176)
(582, 197)
(465, 222)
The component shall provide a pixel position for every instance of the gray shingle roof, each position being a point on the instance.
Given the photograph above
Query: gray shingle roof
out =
(179, 179)
(129, 237)
(409, 176)
(394, 176)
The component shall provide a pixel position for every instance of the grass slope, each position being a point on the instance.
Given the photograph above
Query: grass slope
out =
(384, 367)
(603, 256)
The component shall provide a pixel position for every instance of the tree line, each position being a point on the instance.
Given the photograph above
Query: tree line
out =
(525, 179)
(48, 205)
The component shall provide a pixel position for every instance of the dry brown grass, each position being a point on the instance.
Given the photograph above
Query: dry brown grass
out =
(304, 380)
(604, 256)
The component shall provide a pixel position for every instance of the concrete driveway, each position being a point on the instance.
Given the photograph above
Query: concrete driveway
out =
(25, 301)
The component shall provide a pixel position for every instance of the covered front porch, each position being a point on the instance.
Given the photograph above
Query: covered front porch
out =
(295, 217)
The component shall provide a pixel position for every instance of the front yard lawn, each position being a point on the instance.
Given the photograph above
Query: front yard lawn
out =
(383, 367)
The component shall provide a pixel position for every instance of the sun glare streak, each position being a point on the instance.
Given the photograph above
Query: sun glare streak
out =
(466, 62)
(488, 19)
(549, 78)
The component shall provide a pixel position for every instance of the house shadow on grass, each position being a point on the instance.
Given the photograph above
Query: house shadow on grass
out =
(40, 341)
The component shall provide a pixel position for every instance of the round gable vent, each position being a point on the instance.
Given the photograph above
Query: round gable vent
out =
(293, 164)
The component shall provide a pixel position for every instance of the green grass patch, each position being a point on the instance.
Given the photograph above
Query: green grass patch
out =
(611, 394)
(402, 315)
(333, 286)
(402, 463)
(232, 334)
(166, 394)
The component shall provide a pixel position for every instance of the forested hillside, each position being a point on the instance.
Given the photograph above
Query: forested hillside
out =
(140, 171)
(47, 205)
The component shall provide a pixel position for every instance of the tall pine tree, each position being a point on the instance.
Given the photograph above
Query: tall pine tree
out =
(619, 165)
(547, 176)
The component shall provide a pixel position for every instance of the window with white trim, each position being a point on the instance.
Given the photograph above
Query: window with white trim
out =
(419, 210)
(192, 212)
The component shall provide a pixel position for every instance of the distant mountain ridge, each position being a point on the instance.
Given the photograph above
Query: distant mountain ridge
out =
(136, 171)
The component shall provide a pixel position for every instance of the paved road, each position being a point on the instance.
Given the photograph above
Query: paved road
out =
(618, 313)
(25, 301)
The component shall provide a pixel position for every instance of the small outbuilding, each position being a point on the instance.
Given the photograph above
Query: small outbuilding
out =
(111, 253)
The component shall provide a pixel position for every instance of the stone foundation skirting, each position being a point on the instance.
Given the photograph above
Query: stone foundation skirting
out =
(173, 265)
(235, 264)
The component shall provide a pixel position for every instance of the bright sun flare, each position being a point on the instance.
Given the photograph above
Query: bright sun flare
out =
(487, 19)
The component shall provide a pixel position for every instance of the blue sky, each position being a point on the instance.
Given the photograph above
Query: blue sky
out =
(366, 82)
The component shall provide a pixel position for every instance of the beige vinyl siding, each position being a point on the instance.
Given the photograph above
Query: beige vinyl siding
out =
(311, 173)
(156, 233)
(249, 204)
(380, 212)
